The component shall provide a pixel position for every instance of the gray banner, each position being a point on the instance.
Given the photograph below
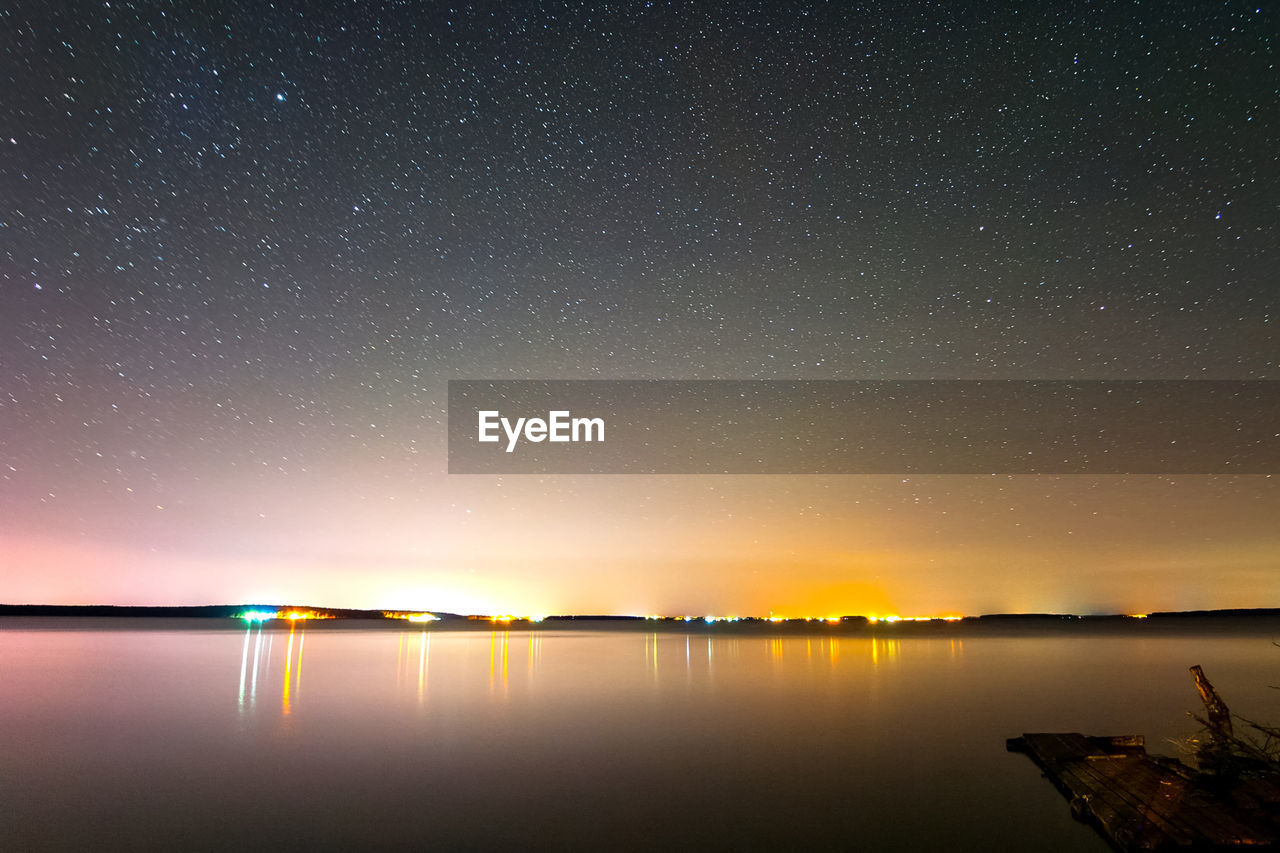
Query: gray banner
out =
(864, 427)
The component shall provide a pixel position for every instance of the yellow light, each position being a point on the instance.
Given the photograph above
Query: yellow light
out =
(295, 615)
(410, 617)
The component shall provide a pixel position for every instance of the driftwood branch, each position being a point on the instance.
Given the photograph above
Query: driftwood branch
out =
(1219, 714)
(1223, 752)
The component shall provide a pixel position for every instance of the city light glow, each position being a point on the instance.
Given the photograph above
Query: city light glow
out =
(258, 615)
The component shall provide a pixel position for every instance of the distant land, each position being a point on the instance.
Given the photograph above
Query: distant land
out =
(266, 614)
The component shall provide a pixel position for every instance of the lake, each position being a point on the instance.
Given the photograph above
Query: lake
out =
(205, 734)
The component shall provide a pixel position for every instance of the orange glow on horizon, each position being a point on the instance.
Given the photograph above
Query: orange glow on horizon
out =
(1142, 545)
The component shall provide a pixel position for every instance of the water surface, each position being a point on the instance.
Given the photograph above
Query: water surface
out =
(170, 736)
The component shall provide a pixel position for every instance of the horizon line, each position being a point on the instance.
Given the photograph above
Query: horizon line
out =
(284, 612)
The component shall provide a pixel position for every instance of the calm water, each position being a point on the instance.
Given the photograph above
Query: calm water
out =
(182, 738)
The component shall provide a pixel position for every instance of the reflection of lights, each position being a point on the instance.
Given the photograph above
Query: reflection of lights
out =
(257, 656)
(887, 648)
(244, 663)
(297, 678)
(399, 658)
(498, 658)
(288, 670)
(424, 650)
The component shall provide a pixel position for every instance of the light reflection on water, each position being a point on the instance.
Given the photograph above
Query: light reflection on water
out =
(197, 738)
(515, 654)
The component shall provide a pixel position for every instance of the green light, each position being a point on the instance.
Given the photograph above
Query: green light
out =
(257, 615)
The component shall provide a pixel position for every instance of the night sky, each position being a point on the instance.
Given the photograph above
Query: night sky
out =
(244, 246)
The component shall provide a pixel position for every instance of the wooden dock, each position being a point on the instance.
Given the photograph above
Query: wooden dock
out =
(1139, 802)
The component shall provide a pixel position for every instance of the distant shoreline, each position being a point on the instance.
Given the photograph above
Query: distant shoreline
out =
(275, 617)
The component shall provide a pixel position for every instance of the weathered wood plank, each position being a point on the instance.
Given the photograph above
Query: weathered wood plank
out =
(1123, 788)
(1141, 804)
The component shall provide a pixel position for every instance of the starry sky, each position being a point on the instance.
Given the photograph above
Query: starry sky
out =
(244, 246)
